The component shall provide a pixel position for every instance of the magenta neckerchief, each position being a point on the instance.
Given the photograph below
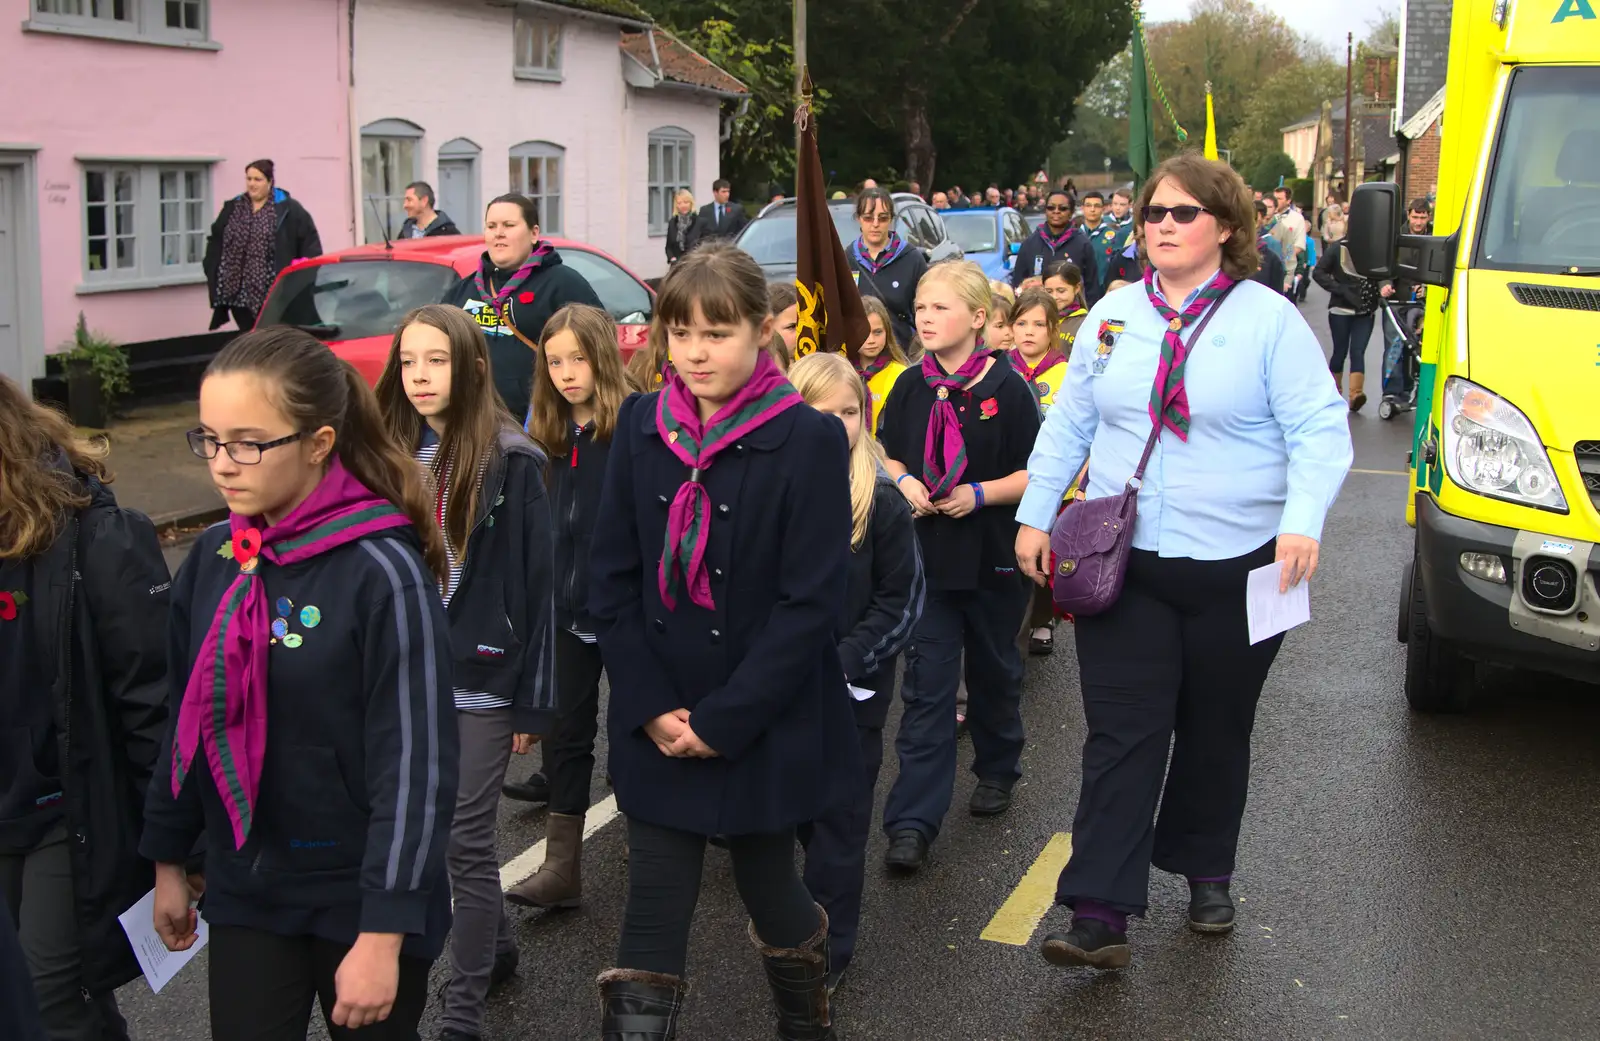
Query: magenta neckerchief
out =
(891, 250)
(944, 451)
(499, 298)
(1055, 243)
(697, 444)
(1031, 372)
(224, 708)
(1169, 401)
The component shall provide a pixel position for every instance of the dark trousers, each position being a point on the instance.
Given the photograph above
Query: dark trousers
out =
(984, 624)
(244, 319)
(1041, 610)
(262, 985)
(836, 852)
(37, 888)
(664, 866)
(1350, 335)
(19, 1009)
(569, 748)
(1169, 663)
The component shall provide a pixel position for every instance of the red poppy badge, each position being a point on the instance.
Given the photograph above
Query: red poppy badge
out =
(989, 407)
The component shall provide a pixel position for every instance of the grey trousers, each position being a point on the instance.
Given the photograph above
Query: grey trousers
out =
(37, 888)
(480, 930)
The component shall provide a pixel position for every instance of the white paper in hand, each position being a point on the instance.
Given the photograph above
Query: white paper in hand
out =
(1271, 612)
(159, 964)
(860, 693)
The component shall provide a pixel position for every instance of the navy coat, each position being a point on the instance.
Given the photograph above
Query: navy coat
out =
(760, 673)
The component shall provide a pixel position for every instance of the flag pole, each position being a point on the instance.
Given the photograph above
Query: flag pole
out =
(801, 96)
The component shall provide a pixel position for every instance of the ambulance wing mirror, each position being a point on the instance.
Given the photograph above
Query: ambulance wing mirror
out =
(1373, 228)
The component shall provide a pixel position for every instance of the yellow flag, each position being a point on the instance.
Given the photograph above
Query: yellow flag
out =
(1211, 127)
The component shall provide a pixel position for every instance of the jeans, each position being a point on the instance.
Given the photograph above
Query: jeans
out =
(984, 623)
(480, 930)
(37, 889)
(1350, 335)
(569, 747)
(262, 985)
(1169, 664)
(664, 866)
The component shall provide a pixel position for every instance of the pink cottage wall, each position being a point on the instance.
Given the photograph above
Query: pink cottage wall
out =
(275, 89)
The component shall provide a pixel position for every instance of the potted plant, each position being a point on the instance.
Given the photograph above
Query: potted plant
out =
(97, 375)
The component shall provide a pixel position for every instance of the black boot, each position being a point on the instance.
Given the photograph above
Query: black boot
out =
(535, 789)
(1090, 942)
(799, 980)
(640, 1006)
(1210, 907)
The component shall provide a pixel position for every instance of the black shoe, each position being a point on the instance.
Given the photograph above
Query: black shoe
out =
(535, 789)
(989, 799)
(1090, 942)
(908, 851)
(505, 967)
(836, 977)
(1210, 908)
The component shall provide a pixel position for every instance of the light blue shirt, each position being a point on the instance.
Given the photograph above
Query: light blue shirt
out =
(1269, 437)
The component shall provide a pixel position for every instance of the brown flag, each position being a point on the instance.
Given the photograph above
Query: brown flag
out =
(830, 314)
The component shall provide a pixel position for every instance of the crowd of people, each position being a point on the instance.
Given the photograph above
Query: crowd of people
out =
(305, 734)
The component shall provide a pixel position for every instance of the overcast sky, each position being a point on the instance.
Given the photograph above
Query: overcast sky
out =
(1327, 22)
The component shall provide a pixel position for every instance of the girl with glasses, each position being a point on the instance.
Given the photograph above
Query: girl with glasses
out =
(884, 264)
(312, 740)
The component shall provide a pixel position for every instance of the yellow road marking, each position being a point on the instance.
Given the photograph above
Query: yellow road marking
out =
(1019, 916)
(1386, 473)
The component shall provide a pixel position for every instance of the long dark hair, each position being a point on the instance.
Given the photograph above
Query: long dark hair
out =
(473, 420)
(36, 496)
(550, 419)
(314, 388)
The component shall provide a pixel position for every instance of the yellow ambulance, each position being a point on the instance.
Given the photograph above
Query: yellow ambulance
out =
(1505, 462)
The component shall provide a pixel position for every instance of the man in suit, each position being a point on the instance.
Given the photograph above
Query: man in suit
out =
(721, 219)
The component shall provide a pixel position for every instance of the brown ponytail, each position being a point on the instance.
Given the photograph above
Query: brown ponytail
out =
(316, 389)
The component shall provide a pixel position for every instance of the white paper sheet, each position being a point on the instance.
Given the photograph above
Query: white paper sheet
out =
(1271, 612)
(159, 964)
(860, 693)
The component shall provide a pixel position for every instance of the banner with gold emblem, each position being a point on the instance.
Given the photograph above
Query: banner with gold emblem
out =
(830, 314)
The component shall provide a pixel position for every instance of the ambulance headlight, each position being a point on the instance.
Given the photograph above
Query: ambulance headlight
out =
(1490, 448)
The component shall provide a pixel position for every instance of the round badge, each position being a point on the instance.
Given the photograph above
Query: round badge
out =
(293, 640)
(280, 628)
(1041, 389)
(1175, 324)
(311, 616)
(944, 393)
(285, 605)
(672, 437)
(248, 567)
(895, 284)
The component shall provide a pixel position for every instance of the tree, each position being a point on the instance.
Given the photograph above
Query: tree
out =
(1289, 95)
(1267, 172)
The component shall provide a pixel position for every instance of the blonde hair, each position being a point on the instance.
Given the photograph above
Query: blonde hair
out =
(1000, 308)
(967, 279)
(999, 288)
(816, 376)
(873, 306)
(682, 193)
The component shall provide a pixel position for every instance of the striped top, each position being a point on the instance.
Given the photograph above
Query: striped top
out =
(465, 699)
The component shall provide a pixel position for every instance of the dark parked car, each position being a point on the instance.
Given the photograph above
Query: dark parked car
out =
(770, 238)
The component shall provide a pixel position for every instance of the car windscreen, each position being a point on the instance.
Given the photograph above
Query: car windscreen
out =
(771, 239)
(973, 232)
(354, 298)
(1543, 205)
(1033, 220)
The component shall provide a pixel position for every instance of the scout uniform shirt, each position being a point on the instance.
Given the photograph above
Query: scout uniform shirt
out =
(878, 388)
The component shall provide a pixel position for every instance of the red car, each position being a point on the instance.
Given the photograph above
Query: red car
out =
(354, 298)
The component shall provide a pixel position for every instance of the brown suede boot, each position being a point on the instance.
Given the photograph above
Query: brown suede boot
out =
(558, 882)
(640, 1006)
(1358, 391)
(798, 977)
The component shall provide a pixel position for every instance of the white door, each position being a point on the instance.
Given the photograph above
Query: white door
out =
(458, 193)
(11, 360)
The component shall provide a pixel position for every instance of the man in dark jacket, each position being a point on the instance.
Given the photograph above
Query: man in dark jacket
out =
(1055, 239)
(70, 826)
(422, 220)
(720, 218)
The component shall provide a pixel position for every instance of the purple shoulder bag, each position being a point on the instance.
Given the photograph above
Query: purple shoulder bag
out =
(1092, 538)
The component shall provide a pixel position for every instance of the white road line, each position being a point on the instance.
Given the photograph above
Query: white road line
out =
(527, 862)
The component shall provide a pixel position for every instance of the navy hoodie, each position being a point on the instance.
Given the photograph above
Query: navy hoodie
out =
(358, 788)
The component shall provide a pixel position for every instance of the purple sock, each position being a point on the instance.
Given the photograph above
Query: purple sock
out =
(1220, 880)
(1094, 909)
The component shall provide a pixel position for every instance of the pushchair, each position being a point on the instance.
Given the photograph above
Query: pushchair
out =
(1402, 357)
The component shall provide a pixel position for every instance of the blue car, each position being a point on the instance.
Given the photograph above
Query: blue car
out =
(989, 236)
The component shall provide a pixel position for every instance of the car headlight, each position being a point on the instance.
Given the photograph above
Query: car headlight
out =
(1490, 448)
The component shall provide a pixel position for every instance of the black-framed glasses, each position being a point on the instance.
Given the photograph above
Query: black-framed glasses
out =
(246, 453)
(1181, 214)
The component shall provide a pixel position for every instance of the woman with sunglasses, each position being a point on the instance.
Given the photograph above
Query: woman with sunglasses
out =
(885, 265)
(1253, 446)
(1057, 239)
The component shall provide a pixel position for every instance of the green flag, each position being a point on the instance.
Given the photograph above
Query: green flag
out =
(1141, 122)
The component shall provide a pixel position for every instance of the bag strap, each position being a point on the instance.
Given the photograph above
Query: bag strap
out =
(1155, 427)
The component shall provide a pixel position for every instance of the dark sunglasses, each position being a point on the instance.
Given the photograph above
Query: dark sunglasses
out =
(1181, 214)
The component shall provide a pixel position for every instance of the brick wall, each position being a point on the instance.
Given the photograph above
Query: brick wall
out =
(1422, 164)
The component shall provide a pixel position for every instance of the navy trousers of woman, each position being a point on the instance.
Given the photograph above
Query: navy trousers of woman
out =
(836, 847)
(1169, 664)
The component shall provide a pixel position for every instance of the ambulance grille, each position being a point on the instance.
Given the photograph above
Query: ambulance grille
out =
(1557, 297)
(1587, 454)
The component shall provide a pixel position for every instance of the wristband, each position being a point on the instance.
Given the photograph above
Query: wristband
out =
(977, 491)
(902, 477)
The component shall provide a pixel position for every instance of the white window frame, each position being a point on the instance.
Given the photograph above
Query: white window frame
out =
(661, 188)
(395, 134)
(525, 158)
(144, 21)
(536, 45)
(145, 229)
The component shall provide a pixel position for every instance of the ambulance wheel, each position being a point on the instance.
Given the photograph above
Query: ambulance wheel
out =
(1438, 677)
(1386, 409)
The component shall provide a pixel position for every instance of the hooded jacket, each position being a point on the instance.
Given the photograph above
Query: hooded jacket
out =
(883, 601)
(297, 239)
(101, 594)
(442, 225)
(1036, 255)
